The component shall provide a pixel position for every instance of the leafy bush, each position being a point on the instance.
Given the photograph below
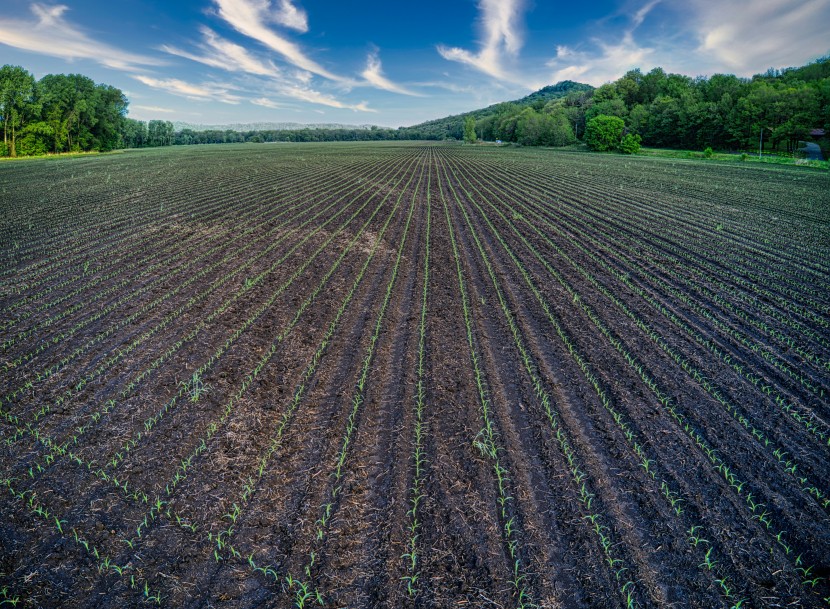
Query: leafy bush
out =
(630, 144)
(603, 133)
(708, 153)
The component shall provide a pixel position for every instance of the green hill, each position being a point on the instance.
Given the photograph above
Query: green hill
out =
(452, 127)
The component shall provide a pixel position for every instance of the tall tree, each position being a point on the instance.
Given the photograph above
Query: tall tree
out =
(470, 130)
(17, 88)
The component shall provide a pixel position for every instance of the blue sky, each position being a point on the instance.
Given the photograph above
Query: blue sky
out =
(390, 63)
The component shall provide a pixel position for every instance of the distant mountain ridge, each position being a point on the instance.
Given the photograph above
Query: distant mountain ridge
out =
(542, 96)
(263, 126)
(452, 126)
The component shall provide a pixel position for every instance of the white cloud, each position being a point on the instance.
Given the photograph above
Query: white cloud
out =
(267, 103)
(749, 37)
(605, 61)
(224, 54)
(731, 36)
(374, 75)
(315, 97)
(500, 28)
(203, 92)
(51, 34)
(151, 108)
(250, 18)
(641, 14)
(291, 16)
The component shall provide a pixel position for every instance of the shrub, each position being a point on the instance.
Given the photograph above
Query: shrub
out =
(630, 144)
(603, 133)
(708, 153)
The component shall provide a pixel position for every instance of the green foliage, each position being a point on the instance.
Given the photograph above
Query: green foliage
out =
(630, 143)
(666, 110)
(17, 89)
(470, 130)
(708, 153)
(58, 113)
(160, 133)
(63, 113)
(35, 139)
(497, 121)
(604, 133)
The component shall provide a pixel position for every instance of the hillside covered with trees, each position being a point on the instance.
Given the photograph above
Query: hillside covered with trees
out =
(62, 113)
(723, 112)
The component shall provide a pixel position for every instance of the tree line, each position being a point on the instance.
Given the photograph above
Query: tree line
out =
(777, 109)
(58, 113)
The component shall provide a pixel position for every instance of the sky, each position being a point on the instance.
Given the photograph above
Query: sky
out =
(390, 63)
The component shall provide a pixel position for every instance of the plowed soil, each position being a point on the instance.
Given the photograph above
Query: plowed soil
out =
(406, 375)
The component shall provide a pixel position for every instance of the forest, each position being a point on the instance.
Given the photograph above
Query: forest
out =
(723, 112)
(775, 110)
(58, 113)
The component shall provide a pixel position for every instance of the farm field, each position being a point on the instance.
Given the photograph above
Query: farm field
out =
(405, 375)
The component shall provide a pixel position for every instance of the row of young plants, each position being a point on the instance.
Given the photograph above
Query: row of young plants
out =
(487, 441)
(212, 208)
(744, 370)
(602, 227)
(680, 507)
(788, 463)
(190, 389)
(594, 519)
(160, 506)
(757, 510)
(306, 586)
(416, 492)
(265, 216)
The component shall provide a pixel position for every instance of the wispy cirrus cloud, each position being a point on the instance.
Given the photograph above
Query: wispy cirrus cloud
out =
(374, 76)
(604, 61)
(291, 16)
(251, 18)
(747, 37)
(50, 33)
(298, 91)
(218, 52)
(267, 103)
(730, 36)
(308, 94)
(151, 108)
(201, 92)
(500, 24)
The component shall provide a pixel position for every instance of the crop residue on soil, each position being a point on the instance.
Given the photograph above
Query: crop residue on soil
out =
(403, 375)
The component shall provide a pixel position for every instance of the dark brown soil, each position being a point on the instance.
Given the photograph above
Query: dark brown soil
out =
(210, 369)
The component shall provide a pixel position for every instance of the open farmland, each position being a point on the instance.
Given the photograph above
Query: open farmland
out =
(400, 375)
